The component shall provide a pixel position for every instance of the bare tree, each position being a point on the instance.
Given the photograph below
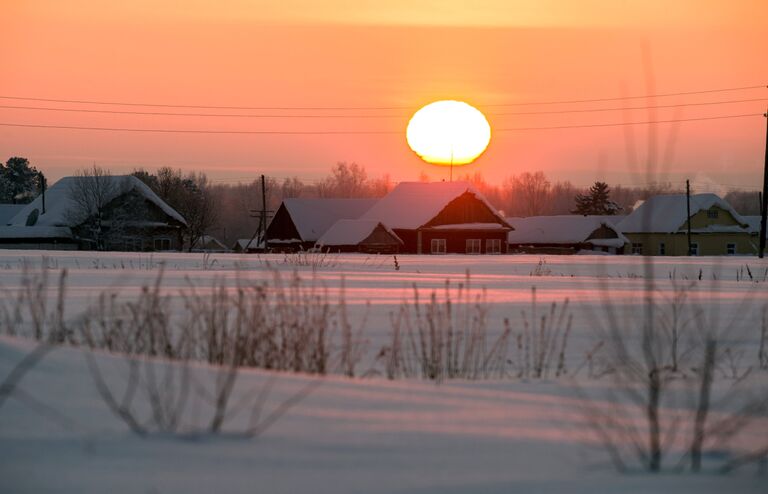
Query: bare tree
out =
(530, 191)
(91, 191)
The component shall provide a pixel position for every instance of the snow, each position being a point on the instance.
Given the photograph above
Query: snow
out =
(247, 243)
(351, 232)
(562, 229)
(365, 434)
(471, 226)
(59, 204)
(35, 232)
(753, 222)
(8, 211)
(668, 213)
(313, 217)
(411, 205)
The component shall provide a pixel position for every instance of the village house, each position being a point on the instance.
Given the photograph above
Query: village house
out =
(209, 243)
(299, 223)
(659, 227)
(441, 218)
(96, 213)
(566, 234)
(369, 236)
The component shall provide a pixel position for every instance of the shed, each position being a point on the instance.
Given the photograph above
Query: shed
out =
(368, 236)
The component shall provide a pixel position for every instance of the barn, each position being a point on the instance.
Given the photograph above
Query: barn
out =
(566, 234)
(299, 223)
(369, 236)
(441, 218)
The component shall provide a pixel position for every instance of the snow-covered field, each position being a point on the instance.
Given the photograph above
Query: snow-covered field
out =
(369, 434)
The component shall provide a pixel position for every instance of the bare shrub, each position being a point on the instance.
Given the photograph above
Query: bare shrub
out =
(444, 339)
(542, 342)
(27, 312)
(310, 259)
(663, 374)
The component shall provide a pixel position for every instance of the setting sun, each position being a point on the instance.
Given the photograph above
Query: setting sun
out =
(448, 132)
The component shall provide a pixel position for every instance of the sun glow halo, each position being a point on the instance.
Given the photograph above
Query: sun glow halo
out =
(448, 132)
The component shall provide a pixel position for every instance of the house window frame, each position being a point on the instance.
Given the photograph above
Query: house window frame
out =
(694, 248)
(473, 246)
(730, 249)
(162, 241)
(438, 246)
(637, 248)
(712, 213)
(662, 249)
(493, 246)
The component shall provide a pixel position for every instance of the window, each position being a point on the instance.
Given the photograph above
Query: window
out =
(662, 249)
(730, 249)
(162, 244)
(473, 246)
(437, 246)
(712, 214)
(694, 248)
(493, 246)
(637, 248)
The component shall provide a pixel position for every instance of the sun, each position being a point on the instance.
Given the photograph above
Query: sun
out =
(448, 133)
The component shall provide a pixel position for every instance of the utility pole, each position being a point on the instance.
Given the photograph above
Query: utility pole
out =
(43, 185)
(263, 216)
(764, 202)
(688, 208)
(264, 210)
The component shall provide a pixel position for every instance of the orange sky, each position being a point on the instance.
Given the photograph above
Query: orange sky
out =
(383, 54)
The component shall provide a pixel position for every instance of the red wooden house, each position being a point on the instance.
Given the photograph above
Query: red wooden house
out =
(441, 218)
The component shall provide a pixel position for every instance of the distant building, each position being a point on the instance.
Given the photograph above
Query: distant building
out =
(566, 234)
(299, 223)
(659, 227)
(130, 217)
(441, 218)
(208, 243)
(369, 236)
(248, 246)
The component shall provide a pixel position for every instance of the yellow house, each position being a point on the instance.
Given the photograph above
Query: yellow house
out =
(659, 227)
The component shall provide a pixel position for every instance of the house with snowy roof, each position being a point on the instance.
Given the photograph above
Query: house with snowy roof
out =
(566, 234)
(299, 223)
(440, 218)
(368, 236)
(659, 227)
(90, 213)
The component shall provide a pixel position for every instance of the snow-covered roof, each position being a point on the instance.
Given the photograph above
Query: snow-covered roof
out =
(668, 213)
(59, 203)
(753, 222)
(247, 243)
(411, 205)
(471, 226)
(35, 232)
(8, 211)
(313, 217)
(561, 229)
(209, 242)
(351, 232)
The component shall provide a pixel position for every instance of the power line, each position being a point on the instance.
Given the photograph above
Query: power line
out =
(529, 103)
(357, 132)
(590, 110)
(658, 95)
(241, 115)
(621, 124)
